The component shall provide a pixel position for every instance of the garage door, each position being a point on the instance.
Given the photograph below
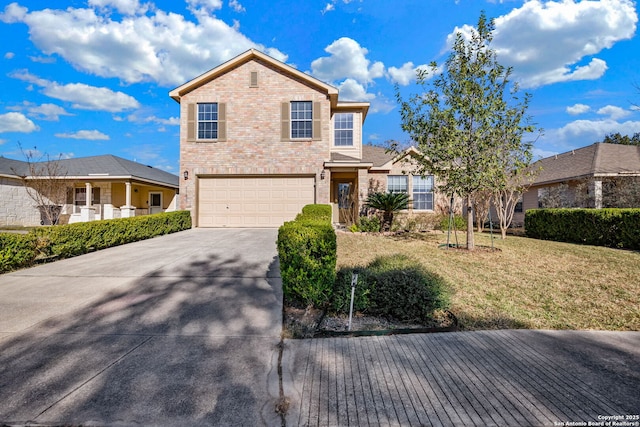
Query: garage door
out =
(252, 201)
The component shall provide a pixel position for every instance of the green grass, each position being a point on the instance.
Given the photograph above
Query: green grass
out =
(527, 283)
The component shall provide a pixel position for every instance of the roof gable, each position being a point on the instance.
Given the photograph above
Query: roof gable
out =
(247, 56)
(599, 159)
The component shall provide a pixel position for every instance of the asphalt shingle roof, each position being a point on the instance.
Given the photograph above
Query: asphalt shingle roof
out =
(100, 166)
(593, 160)
(376, 155)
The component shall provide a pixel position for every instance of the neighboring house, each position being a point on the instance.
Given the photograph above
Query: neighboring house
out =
(100, 187)
(590, 167)
(260, 139)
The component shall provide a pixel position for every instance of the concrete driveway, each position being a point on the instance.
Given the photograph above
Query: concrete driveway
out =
(177, 330)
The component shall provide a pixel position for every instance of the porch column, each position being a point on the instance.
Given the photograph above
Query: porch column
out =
(88, 212)
(597, 193)
(127, 210)
(362, 188)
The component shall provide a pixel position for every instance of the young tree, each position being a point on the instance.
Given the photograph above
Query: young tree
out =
(46, 184)
(481, 206)
(469, 116)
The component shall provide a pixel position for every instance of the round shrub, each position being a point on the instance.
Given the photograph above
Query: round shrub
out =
(393, 286)
(371, 224)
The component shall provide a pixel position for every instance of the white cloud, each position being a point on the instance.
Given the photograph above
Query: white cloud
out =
(16, 122)
(615, 113)
(125, 7)
(137, 118)
(351, 90)
(82, 96)
(235, 5)
(205, 5)
(156, 46)
(405, 74)
(347, 60)
(13, 13)
(9, 55)
(381, 104)
(48, 112)
(92, 135)
(328, 8)
(580, 133)
(43, 59)
(576, 109)
(550, 42)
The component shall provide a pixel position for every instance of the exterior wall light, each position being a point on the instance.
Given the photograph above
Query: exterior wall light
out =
(186, 175)
(322, 175)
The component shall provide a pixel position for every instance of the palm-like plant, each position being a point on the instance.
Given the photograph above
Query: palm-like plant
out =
(388, 203)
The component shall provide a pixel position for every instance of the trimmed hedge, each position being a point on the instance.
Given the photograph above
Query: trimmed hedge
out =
(315, 213)
(79, 238)
(615, 228)
(16, 251)
(307, 251)
(63, 241)
(393, 286)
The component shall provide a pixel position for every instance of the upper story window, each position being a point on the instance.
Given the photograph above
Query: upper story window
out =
(397, 183)
(423, 192)
(301, 119)
(343, 129)
(208, 121)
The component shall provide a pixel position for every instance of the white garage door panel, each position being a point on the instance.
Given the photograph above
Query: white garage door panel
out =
(252, 201)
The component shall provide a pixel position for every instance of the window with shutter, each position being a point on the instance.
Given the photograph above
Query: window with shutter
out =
(302, 119)
(207, 122)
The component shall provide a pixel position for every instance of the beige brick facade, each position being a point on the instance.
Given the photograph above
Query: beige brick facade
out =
(253, 144)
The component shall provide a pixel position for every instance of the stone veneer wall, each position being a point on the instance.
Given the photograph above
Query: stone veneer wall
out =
(16, 207)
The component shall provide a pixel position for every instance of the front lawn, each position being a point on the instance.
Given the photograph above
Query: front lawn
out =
(527, 283)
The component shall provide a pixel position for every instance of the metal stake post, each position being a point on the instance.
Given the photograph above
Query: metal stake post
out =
(354, 282)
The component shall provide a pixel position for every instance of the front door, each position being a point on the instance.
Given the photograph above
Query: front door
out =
(155, 203)
(345, 202)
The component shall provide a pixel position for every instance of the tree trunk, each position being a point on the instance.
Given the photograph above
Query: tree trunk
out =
(387, 220)
(503, 230)
(470, 241)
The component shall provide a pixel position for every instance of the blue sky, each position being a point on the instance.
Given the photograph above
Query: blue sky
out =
(92, 77)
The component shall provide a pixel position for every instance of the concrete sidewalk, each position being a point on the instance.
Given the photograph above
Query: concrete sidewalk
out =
(487, 378)
(177, 330)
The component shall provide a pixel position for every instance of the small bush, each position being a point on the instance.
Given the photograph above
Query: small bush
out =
(315, 213)
(16, 251)
(616, 228)
(370, 224)
(393, 286)
(459, 223)
(415, 222)
(307, 253)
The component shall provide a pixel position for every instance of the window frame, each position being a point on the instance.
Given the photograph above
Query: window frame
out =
(307, 119)
(82, 201)
(216, 122)
(391, 188)
(344, 127)
(419, 190)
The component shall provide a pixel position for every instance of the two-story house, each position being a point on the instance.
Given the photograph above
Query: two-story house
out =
(260, 139)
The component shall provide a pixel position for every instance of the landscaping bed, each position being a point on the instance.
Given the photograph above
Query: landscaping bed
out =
(309, 323)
